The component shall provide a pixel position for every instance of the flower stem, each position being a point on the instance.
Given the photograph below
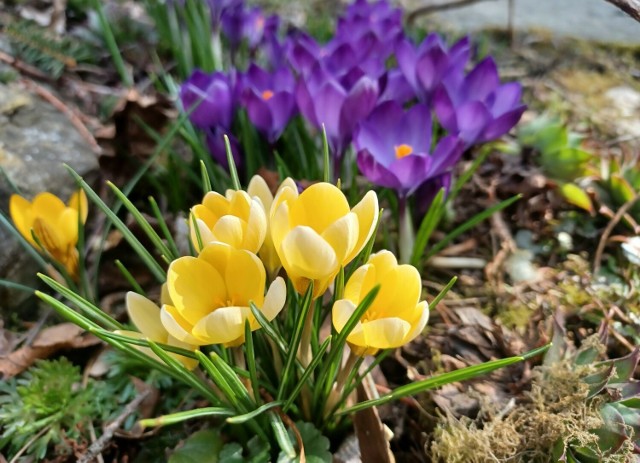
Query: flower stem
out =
(407, 235)
(341, 379)
(304, 353)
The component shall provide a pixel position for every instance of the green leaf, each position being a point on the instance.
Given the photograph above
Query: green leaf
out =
(316, 446)
(232, 453)
(576, 196)
(201, 447)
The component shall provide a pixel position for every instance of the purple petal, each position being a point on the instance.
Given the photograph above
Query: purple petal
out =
(406, 57)
(426, 192)
(411, 171)
(430, 68)
(445, 110)
(283, 106)
(505, 98)
(414, 128)
(377, 132)
(258, 78)
(473, 118)
(482, 80)
(376, 172)
(259, 112)
(306, 103)
(357, 105)
(446, 154)
(501, 125)
(396, 87)
(329, 103)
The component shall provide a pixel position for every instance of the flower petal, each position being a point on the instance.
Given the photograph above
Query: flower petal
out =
(78, 201)
(145, 315)
(319, 206)
(230, 230)
(222, 326)
(342, 235)
(177, 326)
(341, 313)
(367, 211)
(418, 324)
(385, 333)
(245, 278)
(275, 299)
(306, 254)
(20, 210)
(195, 287)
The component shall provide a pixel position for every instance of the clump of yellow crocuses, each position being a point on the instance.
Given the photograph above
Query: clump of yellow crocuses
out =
(54, 224)
(396, 315)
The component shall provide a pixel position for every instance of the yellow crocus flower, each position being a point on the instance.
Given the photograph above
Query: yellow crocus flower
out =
(258, 187)
(315, 232)
(145, 315)
(211, 295)
(54, 224)
(236, 219)
(396, 315)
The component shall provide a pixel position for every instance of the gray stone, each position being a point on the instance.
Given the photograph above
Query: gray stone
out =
(35, 140)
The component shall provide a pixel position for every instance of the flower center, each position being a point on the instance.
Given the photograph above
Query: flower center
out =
(267, 95)
(403, 150)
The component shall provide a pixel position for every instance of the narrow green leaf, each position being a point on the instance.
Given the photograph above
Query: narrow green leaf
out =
(130, 279)
(281, 435)
(206, 180)
(163, 226)
(148, 259)
(232, 164)
(161, 247)
(427, 226)
(326, 172)
(179, 417)
(461, 374)
(444, 292)
(294, 342)
(251, 360)
(239, 419)
(84, 305)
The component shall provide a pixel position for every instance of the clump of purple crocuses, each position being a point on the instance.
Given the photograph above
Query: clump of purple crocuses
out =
(407, 124)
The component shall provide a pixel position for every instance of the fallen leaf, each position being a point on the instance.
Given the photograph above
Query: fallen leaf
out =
(49, 341)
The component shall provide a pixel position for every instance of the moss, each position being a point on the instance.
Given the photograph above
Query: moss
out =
(553, 412)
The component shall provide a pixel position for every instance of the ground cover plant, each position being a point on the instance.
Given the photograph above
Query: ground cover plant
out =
(272, 264)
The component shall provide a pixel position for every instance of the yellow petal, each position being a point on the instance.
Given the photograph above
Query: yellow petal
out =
(286, 194)
(196, 288)
(230, 230)
(341, 312)
(203, 230)
(177, 326)
(367, 211)
(258, 187)
(224, 325)
(385, 333)
(239, 204)
(361, 281)
(275, 299)
(48, 237)
(245, 278)
(304, 253)
(319, 206)
(342, 235)
(48, 207)
(216, 203)
(279, 226)
(217, 255)
(288, 183)
(400, 290)
(67, 225)
(20, 210)
(145, 315)
(165, 297)
(269, 256)
(418, 324)
(188, 362)
(78, 201)
(256, 229)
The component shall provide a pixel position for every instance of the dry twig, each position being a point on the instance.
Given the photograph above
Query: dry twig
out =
(98, 446)
(433, 8)
(631, 7)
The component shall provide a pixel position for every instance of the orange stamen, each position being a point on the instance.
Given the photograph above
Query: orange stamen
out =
(403, 150)
(267, 95)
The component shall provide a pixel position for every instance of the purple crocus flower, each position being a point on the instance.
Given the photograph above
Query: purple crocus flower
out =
(477, 106)
(210, 98)
(394, 148)
(252, 25)
(269, 99)
(219, 7)
(376, 27)
(427, 65)
(322, 99)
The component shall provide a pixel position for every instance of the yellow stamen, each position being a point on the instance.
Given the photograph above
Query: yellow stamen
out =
(267, 95)
(403, 150)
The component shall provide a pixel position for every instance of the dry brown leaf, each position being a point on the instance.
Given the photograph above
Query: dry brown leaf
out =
(374, 442)
(46, 343)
